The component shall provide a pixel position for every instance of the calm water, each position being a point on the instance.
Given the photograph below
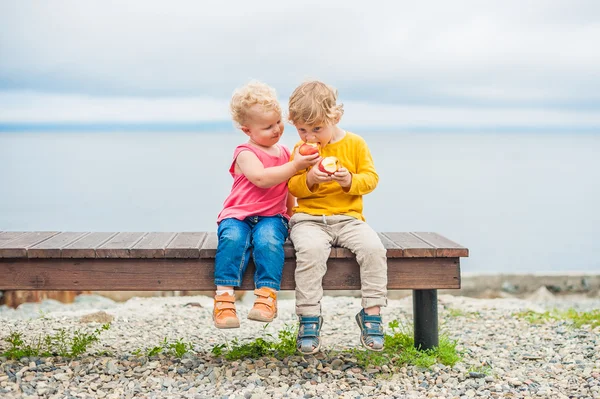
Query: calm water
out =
(521, 203)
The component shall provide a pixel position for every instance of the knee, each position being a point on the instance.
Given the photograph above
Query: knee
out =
(232, 237)
(268, 243)
(372, 252)
(312, 254)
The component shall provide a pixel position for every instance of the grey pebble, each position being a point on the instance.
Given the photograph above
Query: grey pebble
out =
(552, 359)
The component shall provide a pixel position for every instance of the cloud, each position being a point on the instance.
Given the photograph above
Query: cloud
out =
(30, 108)
(497, 55)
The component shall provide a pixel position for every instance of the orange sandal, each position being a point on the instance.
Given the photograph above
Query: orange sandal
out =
(224, 314)
(265, 305)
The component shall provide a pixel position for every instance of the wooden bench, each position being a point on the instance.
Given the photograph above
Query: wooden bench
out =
(422, 262)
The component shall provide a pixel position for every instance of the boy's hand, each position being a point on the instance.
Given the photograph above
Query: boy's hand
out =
(304, 161)
(343, 177)
(315, 176)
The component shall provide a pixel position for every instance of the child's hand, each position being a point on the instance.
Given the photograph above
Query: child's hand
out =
(343, 177)
(315, 176)
(304, 161)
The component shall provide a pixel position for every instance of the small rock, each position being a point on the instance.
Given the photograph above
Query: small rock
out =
(97, 317)
(474, 374)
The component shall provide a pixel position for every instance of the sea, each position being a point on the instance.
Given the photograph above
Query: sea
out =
(521, 202)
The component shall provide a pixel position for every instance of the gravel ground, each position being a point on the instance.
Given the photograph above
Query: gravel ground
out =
(503, 356)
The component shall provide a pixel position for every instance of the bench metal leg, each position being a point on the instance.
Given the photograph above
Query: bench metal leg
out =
(425, 315)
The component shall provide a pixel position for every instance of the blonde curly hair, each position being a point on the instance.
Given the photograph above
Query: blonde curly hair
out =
(315, 103)
(253, 93)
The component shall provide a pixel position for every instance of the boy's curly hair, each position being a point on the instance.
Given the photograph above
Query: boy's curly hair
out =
(314, 103)
(251, 94)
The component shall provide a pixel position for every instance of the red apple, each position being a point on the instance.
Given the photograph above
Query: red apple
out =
(329, 165)
(309, 148)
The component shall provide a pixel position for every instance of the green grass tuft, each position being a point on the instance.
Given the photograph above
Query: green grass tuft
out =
(400, 350)
(454, 312)
(60, 344)
(281, 347)
(577, 319)
(177, 349)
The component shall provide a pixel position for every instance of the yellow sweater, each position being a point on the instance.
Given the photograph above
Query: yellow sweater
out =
(329, 198)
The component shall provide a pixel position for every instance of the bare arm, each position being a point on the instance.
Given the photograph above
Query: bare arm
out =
(291, 203)
(262, 177)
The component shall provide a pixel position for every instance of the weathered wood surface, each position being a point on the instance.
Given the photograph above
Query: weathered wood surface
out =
(198, 274)
(17, 247)
(192, 245)
(185, 261)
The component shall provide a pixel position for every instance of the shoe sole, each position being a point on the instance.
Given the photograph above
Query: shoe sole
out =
(316, 350)
(228, 324)
(257, 316)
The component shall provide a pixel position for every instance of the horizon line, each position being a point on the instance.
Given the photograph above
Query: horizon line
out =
(224, 125)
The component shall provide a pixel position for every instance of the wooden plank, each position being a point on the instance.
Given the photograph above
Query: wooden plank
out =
(412, 246)
(7, 236)
(51, 248)
(107, 274)
(119, 246)
(86, 246)
(393, 249)
(185, 245)
(403, 273)
(209, 246)
(17, 248)
(152, 245)
(444, 248)
(288, 250)
(339, 252)
(198, 274)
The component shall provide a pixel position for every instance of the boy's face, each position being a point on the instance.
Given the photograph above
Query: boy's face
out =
(319, 133)
(264, 128)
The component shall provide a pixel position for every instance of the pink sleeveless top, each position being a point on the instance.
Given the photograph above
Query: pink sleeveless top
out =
(246, 199)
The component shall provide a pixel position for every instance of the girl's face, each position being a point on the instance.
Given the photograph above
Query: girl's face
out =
(264, 128)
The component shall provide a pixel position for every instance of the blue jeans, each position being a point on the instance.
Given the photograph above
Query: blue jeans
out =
(261, 236)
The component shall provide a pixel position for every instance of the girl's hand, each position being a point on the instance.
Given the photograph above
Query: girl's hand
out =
(304, 161)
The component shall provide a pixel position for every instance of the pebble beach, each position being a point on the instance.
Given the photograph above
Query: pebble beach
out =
(502, 355)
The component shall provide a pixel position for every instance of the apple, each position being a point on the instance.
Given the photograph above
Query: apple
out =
(309, 149)
(329, 165)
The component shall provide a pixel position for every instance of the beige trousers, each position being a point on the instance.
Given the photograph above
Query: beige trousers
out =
(313, 237)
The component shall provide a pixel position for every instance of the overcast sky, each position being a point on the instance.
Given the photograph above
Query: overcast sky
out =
(407, 64)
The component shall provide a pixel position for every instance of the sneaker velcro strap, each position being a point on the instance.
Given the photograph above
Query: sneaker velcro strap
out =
(310, 319)
(309, 330)
(264, 301)
(372, 318)
(374, 331)
(224, 305)
(225, 298)
(310, 326)
(266, 293)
